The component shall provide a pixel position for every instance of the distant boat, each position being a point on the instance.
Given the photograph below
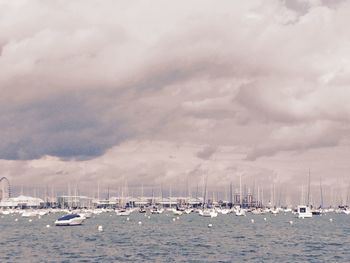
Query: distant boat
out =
(123, 212)
(240, 212)
(208, 213)
(29, 213)
(304, 211)
(346, 211)
(142, 210)
(69, 220)
(188, 210)
(156, 210)
(177, 212)
(86, 214)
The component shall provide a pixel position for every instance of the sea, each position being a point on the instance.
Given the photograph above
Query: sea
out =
(169, 238)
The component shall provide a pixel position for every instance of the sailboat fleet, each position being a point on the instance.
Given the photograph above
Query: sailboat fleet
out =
(79, 216)
(71, 214)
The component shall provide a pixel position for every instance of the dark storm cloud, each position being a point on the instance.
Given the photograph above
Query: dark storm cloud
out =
(65, 126)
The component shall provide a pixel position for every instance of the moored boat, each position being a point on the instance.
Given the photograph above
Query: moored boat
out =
(304, 211)
(69, 220)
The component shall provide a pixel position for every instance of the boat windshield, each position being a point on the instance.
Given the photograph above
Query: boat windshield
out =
(68, 217)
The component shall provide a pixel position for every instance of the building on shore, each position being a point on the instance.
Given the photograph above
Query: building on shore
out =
(21, 202)
(74, 201)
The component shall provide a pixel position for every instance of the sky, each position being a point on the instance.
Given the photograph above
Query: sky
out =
(167, 93)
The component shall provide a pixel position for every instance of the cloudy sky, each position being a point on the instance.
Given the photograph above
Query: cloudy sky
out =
(166, 93)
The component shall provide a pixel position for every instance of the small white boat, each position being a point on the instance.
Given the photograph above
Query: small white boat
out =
(177, 212)
(346, 211)
(123, 212)
(274, 211)
(29, 213)
(208, 213)
(304, 211)
(5, 212)
(188, 210)
(69, 220)
(156, 210)
(240, 212)
(257, 211)
(142, 210)
(224, 211)
(288, 210)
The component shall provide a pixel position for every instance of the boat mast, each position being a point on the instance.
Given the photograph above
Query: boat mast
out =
(347, 195)
(302, 199)
(308, 191)
(205, 191)
(321, 191)
(240, 190)
(231, 200)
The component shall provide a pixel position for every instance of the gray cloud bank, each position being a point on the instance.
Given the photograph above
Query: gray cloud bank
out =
(78, 78)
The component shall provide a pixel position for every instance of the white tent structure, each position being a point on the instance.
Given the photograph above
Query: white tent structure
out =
(21, 201)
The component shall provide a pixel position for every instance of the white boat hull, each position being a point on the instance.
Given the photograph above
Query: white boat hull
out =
(74, 222)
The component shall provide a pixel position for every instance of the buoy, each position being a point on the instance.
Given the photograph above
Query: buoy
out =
(16, 219)
(174, 219)
(127, 219)
(140, 223)
(30, 220)
(177, 218)
(47, 226)
(210, 225)
(264, 218)
(149, 217)
(100, 228)
(291, 222)
(331, 220)
(39, 217)
(252, 221)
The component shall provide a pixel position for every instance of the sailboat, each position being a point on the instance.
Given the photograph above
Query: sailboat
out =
(205, 211)
(304, 211)
(239, 211)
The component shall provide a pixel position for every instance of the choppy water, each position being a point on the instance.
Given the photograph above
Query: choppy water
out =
(189, 239)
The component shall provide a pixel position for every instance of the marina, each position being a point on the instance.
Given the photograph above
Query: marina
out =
(107, 237)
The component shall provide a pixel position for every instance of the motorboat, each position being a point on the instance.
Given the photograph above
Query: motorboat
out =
(257, 211)
(346, 211)
(86, 214)
(142, 210)
(208, 213)
(224, 211)
(69, 220)
(304, 211)
(123, 212)
(156, 210)
(239, 211)
(274, 211)
(29, 213)
(188, 210)
(5, 212)
(177, 212)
